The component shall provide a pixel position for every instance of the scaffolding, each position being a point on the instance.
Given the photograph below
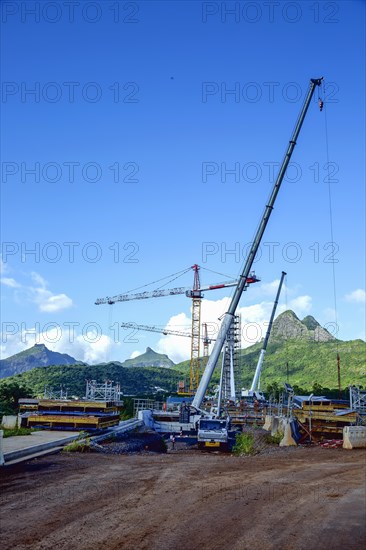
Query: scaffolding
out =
(102, 392)
(357, 400)
(230, 366)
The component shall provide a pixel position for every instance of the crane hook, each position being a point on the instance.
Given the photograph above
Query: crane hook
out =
(321, 104)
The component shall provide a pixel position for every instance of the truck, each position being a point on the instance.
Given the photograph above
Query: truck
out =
(213, 434)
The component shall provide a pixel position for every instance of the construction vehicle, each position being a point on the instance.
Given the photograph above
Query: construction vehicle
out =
(228, 317)
(254, 392)
(213, 433)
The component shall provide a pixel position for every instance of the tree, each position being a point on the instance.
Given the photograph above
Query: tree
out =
(10, 392)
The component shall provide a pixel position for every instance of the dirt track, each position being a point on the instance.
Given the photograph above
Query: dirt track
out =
(295, 498)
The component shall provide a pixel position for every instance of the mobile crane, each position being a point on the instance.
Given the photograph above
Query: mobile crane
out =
(254, 391)
(219, 436)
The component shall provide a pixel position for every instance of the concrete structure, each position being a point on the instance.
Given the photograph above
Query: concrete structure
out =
(354, 437)
(287, 439)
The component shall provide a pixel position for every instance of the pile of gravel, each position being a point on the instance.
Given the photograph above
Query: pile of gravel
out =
(131, 443)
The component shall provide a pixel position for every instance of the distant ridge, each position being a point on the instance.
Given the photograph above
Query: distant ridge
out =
(36, 356)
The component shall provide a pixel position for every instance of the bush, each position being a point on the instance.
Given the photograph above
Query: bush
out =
(244, 444)
(16, 431)
(80, 445)
(270, 439)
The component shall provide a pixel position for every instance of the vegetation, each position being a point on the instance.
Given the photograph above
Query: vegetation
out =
(305, 364)
(244, 444)
(309, 366)
(16, 431)
(10, 391)
(270, 439)
(79, 445)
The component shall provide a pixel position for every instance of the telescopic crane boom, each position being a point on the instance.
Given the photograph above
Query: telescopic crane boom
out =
(226, 322)
(254, 391)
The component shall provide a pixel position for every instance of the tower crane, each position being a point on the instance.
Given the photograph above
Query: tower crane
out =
(196, 293)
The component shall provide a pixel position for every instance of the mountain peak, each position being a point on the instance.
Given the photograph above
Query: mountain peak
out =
(36, 356)
(310, 322)
(288, 326)
(149, 359)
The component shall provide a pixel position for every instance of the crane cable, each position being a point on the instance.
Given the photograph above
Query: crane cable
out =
(331, 225)
(174, 275)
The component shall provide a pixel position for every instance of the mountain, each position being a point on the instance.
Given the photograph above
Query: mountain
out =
(287, 326)
(37, 356)
(302, 352)
(149, 359)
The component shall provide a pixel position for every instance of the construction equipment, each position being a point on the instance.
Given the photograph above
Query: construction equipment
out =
(254, 391)
(229, 367)
(196, 293)
(213, 434)
(159, 293)
(164, 331)
(226, 322)
(205, 339)
(206, 420)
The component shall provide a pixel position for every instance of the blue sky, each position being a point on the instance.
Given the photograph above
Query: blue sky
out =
(148, 144)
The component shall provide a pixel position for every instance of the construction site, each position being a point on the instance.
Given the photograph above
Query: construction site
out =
(172, 477)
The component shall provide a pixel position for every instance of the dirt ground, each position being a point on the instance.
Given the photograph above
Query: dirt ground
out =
(294, 498)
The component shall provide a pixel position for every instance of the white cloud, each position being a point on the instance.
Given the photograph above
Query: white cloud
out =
(92, 347)
(38, 279)
(55, 302)
(357, 296)
(135, 354)
(178, 348)
(301, 305)
(47, 301)
(9, 281)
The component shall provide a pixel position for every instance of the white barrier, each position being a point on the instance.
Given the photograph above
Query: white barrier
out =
(287, 439)
(268, 423)
(9, 422)
(1, 449)
(354, 437)
(275, 425)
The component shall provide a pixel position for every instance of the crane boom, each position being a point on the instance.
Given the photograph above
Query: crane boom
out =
(166, 332)
(169, 292)
(226, 322)
(255, 383)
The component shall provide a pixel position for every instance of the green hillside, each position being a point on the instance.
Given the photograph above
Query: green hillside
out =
(136, 380)
(308, 362)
